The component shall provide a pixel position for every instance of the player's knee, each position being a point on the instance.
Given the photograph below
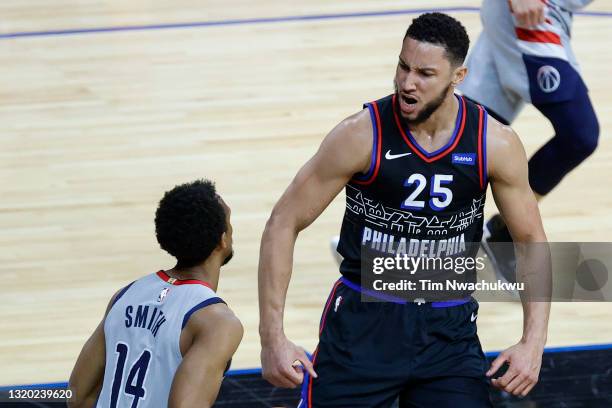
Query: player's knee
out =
(579, 137)
(588, 138)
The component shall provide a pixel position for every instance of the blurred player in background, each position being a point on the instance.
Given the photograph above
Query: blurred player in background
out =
(167, 339)
(524, 55)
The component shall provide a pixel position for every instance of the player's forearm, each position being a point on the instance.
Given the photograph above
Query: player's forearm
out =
(535, 323)
(192, 394)
(534, 270)
(86, 402)
(86, 378)
(275, 264)
(83, 395)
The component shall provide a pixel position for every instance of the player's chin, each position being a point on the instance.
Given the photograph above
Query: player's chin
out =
(409, 111)
(409, 116)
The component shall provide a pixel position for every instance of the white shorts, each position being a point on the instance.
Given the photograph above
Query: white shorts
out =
(512, 65)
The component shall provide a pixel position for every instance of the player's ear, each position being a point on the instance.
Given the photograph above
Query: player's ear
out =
(224, 242)
(458, 75)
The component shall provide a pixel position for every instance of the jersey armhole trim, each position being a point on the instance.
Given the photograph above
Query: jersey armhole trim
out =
(370, 176)
(120, 294)
(199, 306)
(485, 171)
(482, 147)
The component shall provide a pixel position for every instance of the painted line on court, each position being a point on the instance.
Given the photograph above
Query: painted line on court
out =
(564, 349)
(64, 384)
(51, 385)
(248, 21)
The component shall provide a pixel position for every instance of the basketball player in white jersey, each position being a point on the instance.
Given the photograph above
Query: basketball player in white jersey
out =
(166, 339)
(524, 55)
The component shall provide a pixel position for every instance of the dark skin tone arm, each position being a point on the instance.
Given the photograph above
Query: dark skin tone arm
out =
(88, 372)
(208, 343)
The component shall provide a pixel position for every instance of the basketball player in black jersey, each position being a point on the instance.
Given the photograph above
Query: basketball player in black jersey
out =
(422, 152)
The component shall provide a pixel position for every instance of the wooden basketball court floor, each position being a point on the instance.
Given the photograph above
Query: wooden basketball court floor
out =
(97, 124)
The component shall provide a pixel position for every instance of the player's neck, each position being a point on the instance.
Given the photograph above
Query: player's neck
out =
(207, 272)
(440, 121)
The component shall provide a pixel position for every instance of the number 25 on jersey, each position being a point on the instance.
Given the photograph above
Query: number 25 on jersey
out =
(441, 196)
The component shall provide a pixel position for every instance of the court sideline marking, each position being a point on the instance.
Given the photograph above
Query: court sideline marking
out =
(262, 20)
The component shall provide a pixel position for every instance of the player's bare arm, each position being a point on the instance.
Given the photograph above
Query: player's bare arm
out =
(207, 344)
(88, 372)
(518, 207)
(346, 150)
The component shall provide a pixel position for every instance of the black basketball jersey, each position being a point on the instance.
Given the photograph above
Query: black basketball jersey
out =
(412, 201)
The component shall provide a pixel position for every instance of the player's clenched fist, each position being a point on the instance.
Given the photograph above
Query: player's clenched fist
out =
(524, 361)
(529, 13)
(283, 363)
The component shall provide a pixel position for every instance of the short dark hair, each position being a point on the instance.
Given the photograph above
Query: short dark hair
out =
(189, 222)
(443, 30)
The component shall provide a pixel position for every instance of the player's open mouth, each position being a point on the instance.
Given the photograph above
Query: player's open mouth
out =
(408, 103)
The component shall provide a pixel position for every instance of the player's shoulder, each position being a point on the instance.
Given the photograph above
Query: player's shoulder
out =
(371, 111)
(132, 287)
(349, 144)
(504, 149)
(501, 137)
(116, 296)
(352, 134)
(358, 125)
(217, 318)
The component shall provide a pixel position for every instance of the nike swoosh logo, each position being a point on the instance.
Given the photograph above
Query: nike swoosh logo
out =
(473, 317)
(390, 156)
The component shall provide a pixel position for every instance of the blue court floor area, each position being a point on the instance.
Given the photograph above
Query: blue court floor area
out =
(571, 377)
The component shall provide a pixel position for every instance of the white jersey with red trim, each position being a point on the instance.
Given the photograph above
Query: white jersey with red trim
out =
(142, 331)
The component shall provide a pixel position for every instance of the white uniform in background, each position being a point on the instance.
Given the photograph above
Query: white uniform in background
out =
(512, 65)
